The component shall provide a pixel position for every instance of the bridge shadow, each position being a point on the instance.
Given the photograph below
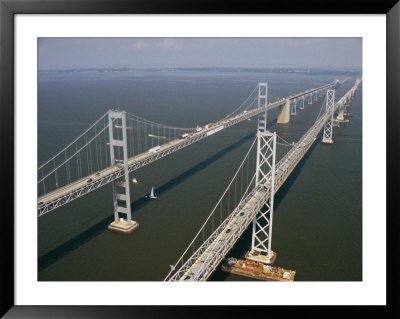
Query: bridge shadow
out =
(62, 250)
(203, 165)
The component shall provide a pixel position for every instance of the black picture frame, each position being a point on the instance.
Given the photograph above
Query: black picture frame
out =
(8, 9)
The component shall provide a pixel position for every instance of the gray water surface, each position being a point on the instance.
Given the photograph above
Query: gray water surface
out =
(318, 212)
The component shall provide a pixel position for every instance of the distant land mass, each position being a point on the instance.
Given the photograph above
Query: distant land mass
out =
(310, 71)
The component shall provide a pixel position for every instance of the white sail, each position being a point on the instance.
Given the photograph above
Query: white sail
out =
(152, 194)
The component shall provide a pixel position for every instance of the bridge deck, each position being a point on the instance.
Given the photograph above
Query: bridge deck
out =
(224, 240)
(294, 96)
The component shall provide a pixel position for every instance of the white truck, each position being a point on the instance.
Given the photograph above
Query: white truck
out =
(154, 149)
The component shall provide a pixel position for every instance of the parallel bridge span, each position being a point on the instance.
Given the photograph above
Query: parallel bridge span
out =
(81, 187)
(207, 257)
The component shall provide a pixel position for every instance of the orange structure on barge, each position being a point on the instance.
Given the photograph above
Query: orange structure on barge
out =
(257, 270)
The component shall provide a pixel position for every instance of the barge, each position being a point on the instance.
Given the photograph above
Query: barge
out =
(257, 270)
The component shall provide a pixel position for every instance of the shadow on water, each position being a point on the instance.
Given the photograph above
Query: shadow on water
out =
(293, 176)
(204, 164)
(57, 253)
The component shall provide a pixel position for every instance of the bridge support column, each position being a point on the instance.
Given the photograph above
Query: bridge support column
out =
(120, 187)
(284, 113)
(310, 99)
(293, 108)
(302, 103)
(265, 180)
(340, 116)
(330, 102)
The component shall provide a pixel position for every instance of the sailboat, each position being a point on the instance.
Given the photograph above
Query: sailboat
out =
(152, 194)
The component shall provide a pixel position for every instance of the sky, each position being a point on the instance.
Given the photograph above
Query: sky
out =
(67, 53)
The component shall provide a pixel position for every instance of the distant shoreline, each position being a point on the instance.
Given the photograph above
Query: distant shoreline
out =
(310, 71)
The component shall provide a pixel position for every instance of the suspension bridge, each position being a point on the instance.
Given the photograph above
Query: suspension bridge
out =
(119, 143)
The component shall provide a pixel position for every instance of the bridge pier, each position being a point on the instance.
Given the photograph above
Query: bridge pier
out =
(120, 187)
(340, 116)
(293, 108)
(284, 113)
(302, 103)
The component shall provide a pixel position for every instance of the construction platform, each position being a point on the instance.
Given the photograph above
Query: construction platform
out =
(122, 227)
(257, 270)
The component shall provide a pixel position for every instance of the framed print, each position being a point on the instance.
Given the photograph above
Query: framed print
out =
(105, 100)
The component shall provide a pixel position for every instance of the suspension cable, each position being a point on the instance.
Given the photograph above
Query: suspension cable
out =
(75, 140)
(215, 207)
(241, 104)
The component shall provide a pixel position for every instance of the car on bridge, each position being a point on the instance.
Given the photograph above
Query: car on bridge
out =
(91, 178)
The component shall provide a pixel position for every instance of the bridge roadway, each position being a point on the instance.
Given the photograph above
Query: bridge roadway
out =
(207, 257)
(68, 193)
(307, 92)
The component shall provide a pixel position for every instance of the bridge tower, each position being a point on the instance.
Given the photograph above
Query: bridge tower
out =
(120, 187)
(330, 102)
(262, 101)
(265, 177)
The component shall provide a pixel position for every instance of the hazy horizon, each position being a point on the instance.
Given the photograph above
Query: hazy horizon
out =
(303, 53)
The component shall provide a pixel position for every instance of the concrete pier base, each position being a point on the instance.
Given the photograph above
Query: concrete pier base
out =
(340, 116)
(326, 141)
(257, 256)
(122, 227)
(284, 113)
